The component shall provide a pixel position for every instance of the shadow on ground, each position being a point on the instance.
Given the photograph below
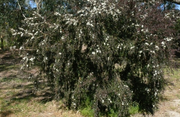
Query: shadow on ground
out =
(15, 87)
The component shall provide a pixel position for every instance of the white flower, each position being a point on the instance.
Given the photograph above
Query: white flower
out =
(20, 29)
(155, 73)
(98, 51)
(146, 43)
(36, 33)
(156, 47)
(45, 59)
(89, 24)
(122, 103)
(56, 13)
(22, 34)
(125, 86)
(21, 48)
(110, 100)
(32, 59)
(102, 101)
(147, 89)
(155, 94)
(146, 31)
(14, 34)
(62, 37)
(132, 47)
(81, 31)
(32, 37)
(24, 58)
(163, 43)
(168, 39)
(152, 52)
(74, 104)
(93, 53)
(30, 34)
(137, 25)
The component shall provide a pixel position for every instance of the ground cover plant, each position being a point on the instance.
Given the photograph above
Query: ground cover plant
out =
(109, 52)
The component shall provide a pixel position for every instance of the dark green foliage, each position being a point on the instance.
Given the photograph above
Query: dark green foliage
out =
(111, 55)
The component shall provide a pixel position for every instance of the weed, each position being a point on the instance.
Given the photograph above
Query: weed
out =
(113, 113)
(87, 111)
(134, 109)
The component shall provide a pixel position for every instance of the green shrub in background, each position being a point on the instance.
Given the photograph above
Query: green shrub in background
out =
(104, 53)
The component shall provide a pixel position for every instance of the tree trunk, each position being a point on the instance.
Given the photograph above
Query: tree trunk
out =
(2, 44)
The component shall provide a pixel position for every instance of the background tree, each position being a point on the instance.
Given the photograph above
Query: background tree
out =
(11, 16)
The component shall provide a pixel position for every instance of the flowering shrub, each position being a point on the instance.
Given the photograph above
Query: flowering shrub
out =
(111, 52)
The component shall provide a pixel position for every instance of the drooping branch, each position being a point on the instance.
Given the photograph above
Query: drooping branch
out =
(174, 1)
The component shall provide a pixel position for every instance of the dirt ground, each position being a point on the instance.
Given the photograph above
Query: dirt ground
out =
(17, 97)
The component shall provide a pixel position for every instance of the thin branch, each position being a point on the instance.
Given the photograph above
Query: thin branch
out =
(175, 1)
(38, 5)
(20, 8)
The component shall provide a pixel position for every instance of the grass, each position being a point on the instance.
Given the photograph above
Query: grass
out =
(173, 73)
(87, 112)
(12, 105)
(134, 109)
(17, 101)
(17, 80)
(22, 107)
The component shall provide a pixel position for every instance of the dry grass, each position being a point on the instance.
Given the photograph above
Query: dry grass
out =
(169, 106)
(17, 97)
